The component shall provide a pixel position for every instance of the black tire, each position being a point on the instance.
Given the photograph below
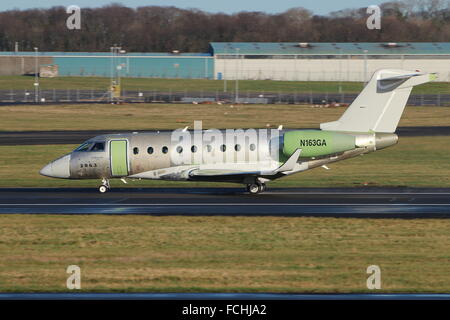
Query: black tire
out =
(253, 188)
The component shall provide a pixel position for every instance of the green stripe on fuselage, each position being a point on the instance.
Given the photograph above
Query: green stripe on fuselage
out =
(316, 143)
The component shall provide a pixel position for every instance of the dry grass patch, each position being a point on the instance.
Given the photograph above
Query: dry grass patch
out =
(169, 116)
(195, 254)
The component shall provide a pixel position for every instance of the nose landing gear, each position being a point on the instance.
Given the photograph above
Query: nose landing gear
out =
(104, 186)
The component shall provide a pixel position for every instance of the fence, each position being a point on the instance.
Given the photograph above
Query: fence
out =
(101, 96)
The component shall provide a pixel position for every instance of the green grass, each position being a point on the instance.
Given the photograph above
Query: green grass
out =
(169, 116)
(99, 83)
(222, 254)
(414, 162)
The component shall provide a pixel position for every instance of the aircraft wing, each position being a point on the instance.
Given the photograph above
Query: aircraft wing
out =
(220, 172)
(289, 165)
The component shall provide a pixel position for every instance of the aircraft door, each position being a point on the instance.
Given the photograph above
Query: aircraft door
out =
(118, 151)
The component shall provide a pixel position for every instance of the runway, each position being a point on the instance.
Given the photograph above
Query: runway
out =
(75, 137)
(299, 202)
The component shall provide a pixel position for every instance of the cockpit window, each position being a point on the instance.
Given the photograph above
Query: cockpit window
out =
(84, 146)
(98, 146)
(91, 146)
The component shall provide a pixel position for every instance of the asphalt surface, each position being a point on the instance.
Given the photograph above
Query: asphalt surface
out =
(351, 202)
(9, 138)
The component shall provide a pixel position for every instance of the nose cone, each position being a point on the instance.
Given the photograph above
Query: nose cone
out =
(60, 168)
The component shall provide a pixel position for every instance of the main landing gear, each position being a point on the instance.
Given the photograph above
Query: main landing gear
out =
(254, 188)
(105, 186)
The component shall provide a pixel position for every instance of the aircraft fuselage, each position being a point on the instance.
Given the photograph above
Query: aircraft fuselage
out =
(155, 155)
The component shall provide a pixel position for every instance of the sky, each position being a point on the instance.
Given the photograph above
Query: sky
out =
(321, 7)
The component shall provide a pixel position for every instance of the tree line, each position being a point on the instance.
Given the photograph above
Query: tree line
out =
(164, 29)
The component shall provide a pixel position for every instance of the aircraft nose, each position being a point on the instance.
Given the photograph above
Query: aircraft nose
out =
(59, 168)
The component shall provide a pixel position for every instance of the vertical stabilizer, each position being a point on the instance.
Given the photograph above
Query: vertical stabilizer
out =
(380, 104)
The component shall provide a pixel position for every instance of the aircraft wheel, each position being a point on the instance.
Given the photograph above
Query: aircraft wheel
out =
(253, 188)
(262, 187)
(103, 188)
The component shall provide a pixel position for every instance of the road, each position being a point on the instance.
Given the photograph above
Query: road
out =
(350, 202)
(9, 138)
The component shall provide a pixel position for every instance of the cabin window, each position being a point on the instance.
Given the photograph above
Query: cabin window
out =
(237, 147)
(98, 146)
(165, 149)
(136, 150)
(150, 150)
(252, 147)
(193, 149)
(179, 149)
(223, 148)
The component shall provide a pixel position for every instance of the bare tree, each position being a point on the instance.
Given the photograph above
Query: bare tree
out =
(155, 28)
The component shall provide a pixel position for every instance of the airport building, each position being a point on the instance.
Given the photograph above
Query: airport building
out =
(102, 64)
(243, 60)
(326, 61)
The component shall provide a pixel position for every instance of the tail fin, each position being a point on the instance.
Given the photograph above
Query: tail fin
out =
(380, 105)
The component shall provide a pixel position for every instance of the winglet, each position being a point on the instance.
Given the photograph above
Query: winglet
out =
(291, 162)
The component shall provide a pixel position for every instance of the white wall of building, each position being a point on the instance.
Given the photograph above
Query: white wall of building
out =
(323, 69)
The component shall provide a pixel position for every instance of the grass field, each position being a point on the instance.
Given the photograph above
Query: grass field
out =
(222, 254)
(414, 162)
(100, 83)
(169, 116)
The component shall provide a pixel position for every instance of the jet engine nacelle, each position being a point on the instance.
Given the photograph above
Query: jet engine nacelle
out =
(315, 143)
